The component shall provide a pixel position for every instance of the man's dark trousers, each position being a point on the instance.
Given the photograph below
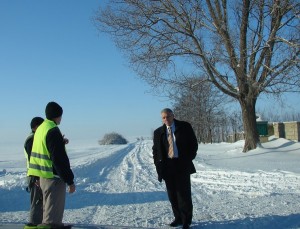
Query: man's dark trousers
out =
(178, 185)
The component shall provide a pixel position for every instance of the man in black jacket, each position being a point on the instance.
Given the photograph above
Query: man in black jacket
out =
(36, 195)
(174, 147)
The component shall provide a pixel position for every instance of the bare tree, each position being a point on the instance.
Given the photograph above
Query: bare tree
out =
(201, 104)
(235, 123)
(244, 48)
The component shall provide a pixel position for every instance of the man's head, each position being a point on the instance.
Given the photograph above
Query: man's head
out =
(35, 122)
(167, 116)
(54, 112)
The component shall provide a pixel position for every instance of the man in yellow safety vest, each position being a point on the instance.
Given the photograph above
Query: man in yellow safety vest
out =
(50, 162)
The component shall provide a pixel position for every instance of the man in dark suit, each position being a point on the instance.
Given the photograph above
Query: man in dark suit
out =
(174, 147)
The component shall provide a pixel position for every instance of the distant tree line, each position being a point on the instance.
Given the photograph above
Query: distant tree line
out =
(273, 116)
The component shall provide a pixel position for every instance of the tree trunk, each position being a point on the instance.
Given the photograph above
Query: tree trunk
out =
(250, 129)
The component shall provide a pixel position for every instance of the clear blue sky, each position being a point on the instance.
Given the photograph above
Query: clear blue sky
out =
(51, 51)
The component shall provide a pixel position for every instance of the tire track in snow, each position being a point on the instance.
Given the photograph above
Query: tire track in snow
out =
(96, 171)
(260, 183)
(135, 172)
(266, 192)
(129, 186)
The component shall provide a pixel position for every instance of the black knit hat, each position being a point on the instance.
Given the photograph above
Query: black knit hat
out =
(36, 121)
(53, 110)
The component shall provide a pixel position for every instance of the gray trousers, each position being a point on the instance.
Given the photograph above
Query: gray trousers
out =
(54, 196)
(36, 202)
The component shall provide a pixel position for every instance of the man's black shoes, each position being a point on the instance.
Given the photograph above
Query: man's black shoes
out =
(185, 226)
(176, 223)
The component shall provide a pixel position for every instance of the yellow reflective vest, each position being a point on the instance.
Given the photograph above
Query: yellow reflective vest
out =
(40, 161)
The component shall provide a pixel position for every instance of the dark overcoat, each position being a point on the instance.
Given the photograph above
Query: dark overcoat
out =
(186, 143)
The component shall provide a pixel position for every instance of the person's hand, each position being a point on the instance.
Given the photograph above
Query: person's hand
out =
(71, 188)
(66, 141)
(37, 183)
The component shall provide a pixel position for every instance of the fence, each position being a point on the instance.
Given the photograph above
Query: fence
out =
(288, 130)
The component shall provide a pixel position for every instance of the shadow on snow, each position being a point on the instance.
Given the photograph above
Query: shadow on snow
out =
(113, 199)
(272, 221)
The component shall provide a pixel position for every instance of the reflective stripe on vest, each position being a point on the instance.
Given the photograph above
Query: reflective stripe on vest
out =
(40, 162)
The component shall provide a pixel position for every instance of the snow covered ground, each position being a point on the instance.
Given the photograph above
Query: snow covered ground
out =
(117, 185)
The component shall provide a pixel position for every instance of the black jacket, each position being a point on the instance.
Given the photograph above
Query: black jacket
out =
(186, 143)
(61, 164)
(28, 145)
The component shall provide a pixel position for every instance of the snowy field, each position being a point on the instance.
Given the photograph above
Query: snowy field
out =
(117, 185)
